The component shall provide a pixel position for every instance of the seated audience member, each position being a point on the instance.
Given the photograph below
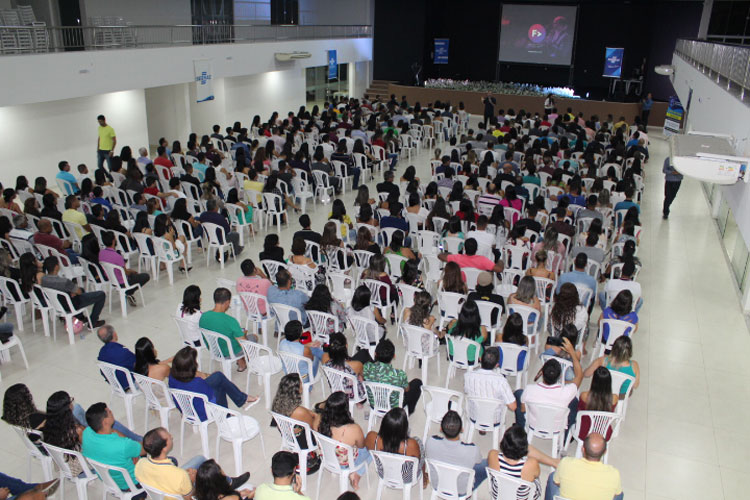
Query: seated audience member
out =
(487, 382)
(578, 276)
(190, 311)
(306, 233)
(286, 485)
(45, 237)
(49, 207)
(586, 477)
(383, 372)
(217, 320)
(567, 309)
(282, 293)
(291, 343)
(550, 391)
(272, 250)
(212, 216)
(101, 443)
(185, 376)
(112, 256)
(114, 353)
(211, 484)
(80, 299)
(253, 280)
(470, 258)
(485, 290)
(71, 183)
(288, 403)
(620, 359)
(517, 458)
(15, 489)
(450, 449)
(393, 437)
(71, 214)
(625, 282)
(336, 422)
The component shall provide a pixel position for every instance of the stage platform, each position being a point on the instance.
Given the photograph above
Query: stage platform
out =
(473, 103)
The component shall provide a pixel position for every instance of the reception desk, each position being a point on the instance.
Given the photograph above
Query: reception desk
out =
(473, 103)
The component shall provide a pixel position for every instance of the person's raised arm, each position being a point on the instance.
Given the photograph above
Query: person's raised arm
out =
(593, 366)
(571, 350)
(443, 256)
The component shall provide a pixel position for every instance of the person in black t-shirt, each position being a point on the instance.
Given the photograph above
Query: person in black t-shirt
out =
(485, 291)
(489, 107)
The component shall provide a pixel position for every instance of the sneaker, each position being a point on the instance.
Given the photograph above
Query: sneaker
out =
(239, 481)
(131, 301)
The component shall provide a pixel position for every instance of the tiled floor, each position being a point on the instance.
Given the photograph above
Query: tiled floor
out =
(685, 436)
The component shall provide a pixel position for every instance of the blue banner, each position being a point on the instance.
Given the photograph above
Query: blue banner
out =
(613, 62)
(441, 51)
(333, 65)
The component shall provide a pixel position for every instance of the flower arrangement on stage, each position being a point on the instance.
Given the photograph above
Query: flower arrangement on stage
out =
(512, 88)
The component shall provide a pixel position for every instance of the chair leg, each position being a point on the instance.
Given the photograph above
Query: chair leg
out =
(69, 326)
(237, 446)
(123, 304)
(19, 315)
(303, 469)
(23, 354)
(204, 439)
(129, 411)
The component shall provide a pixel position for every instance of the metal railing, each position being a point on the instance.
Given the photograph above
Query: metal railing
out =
(727, 65)
(42, 39)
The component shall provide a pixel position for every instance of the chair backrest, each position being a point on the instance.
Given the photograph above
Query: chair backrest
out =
(292, 363)
(616, 328)
(472, 275)
(23, 435)
(303, 276)
(215, 233)
(362, 258)
(545, 418)
(486, 309)
(380, 396)
(341, 285)
(407, 293)
(107, 473)
(115, 376)
(396, 471)
(366, 331)
(450, 303)
(506, 487)
(155, 494)
(61, 456)
(618, 380)
(545, 289)
(450, 481)
(185, 401)
(312, 251)
(375, 287)
(214, 341)
(438, 400)
(428, 242)
(284, 312)
(155, 391)
(287, 426)
(251, 303)
(452, 244)
(229, 423)
(272, 267)
(460, 346)
(417, 340)
(115, 273)
(600, 422)
(526, 312)
(339, 380)
(319, 322)
(333, 453)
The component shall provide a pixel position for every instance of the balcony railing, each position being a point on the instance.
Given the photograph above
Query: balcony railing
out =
(42, 39)
(727, 65)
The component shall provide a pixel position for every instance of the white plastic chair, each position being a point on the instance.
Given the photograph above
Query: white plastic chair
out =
(237, 219)
(617, 328)
(251, 304)
(386, 306)
(618, 380)
(418, 349)
(488, 416)
(11, 289)
(60, 457)
(450, 305)
(319, 323)
(366, 334)
(273, 203)
(185, 402)
(600, 422)
(436, 402)
(339, 380)
(362, 259)
(146, 253)
(509, 365)
(379, 396)
(323, 188)
(284, 314)
(116, 388)
(398, 472)
(393, 266)
(33, 453)
(505, 487)
(304, 278)
(530, 329)
(286, 426)
(452, 244)
(272, 267)
(445, 479)
(217, 240)
(331, 452)
(155, 494)
(63, 308)
(114, 272)
(110, 487)
(262, 362)
(293, 363)
(157, 398)
(486, 310)
(40, 303)
(341, 285)
(547, 422)
(237, 429)
(461, 359)
(214, 341)
(166, 256)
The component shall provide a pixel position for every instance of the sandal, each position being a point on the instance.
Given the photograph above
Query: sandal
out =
(241, 369)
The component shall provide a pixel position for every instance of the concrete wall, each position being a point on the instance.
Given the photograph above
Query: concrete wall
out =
(139, 12)
(336, 11)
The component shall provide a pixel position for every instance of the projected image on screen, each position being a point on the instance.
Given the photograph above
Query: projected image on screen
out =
(537, 34)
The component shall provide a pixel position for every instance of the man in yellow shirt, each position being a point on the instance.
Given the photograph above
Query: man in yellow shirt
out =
(105, 144)
(586, 478)
(71, 214)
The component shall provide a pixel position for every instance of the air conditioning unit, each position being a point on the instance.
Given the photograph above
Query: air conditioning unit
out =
(708, 158)
(291, 56)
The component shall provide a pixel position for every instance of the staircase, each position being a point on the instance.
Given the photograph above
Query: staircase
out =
(379, 87)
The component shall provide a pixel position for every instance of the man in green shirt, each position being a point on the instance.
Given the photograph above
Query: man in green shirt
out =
(102, 443)
(287, 484)
(382, 372)
(217, 320)
(105, 144)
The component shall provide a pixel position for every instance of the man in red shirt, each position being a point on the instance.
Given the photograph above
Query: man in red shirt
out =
(162, 159)
(45, 237)
(470, 258)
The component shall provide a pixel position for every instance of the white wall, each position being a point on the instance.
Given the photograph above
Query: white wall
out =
(69, 131)
(78, 74)
(712, 109)
(168, 113)
(359, 78)
(139, 12)
(247, 96)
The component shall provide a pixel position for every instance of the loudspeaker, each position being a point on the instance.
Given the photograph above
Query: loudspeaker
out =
(284, 11)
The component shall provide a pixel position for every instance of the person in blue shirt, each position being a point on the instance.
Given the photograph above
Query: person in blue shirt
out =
(672, 181)
(65, 175)
(115, 353)
(395, 220)
(624, 205)
(578, 276)
(291, 343)
(646, 109)
(99, 198)
(282, 293)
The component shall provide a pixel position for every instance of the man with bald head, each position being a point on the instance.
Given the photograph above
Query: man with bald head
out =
(586, 478)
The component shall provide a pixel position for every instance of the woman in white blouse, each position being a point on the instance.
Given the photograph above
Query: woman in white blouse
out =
(190, 311)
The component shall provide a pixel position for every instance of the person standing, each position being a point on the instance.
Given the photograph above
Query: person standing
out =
(549, 104)
(105, 144)
(672, 181)
(646, 109)
(489, 108)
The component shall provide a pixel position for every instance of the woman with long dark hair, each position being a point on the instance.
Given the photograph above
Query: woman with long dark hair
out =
(393, 437)
(146, 361)
(468, 325)
(189, 310)
(211, 484)
(361, 305)
(599, 397)
(19, 408)
(61, 428)
(517, 458)
(322, 301)
(452, 280)
(567, 309)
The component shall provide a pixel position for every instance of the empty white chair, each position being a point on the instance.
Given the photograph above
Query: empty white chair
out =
(11, 291)
(192, 406)
(450, 482)
(118, 281)
(157, 397)
(367, 334)
(487, 415)
(333, 453)
(110, 487)
(115, 376)
(461, 359)
(421, 344)
(214, 341)
(509, 362)
(261, 362)
(293, 363)
(398, 472)
(381, 400)
(437, 401)
(39, 302)
(235, 428)
(288, 428)
(60, 457)
(217, 240)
